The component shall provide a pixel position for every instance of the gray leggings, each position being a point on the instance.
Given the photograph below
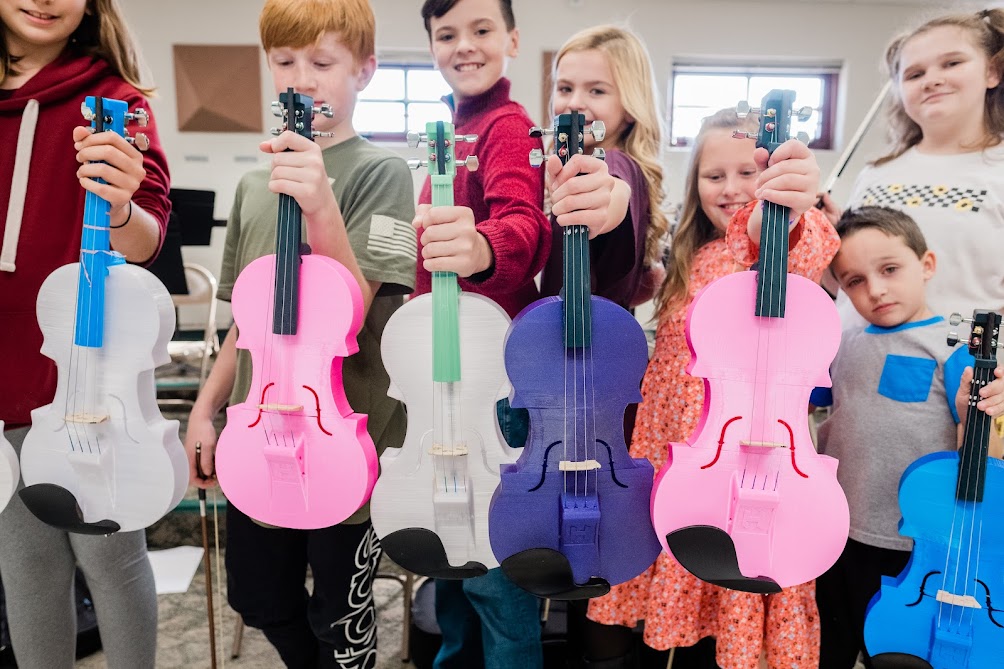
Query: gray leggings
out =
(37, 563)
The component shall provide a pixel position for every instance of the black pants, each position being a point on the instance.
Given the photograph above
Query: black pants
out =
(266, 572)
(843, 594)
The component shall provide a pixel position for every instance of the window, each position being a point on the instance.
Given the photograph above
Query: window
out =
(400, 98)
(699, 91)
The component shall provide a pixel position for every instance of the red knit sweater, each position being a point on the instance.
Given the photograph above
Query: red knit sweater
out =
(506, 195)
(53, 213)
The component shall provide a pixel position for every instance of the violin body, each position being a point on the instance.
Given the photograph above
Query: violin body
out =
(422, 489)
(102, 439)
(568, 518)
(10, 471)
(750, 470)
(293, 453)
(941, 609)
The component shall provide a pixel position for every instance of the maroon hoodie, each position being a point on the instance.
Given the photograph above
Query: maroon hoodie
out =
(53, 211)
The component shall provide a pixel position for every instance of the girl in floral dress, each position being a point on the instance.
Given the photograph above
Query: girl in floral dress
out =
(715, 238)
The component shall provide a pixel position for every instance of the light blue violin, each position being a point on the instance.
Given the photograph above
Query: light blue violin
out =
(942, 611)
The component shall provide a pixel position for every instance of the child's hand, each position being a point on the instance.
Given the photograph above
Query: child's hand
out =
(122, 166)
(789, 177)
(582, 193)
(299, 172)
(830, 208)
(451, 242)
(201, 430)
(992, 394)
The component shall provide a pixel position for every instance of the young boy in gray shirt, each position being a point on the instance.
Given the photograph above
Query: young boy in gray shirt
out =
(898, 391)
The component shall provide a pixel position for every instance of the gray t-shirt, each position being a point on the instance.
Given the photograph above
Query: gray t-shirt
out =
(893, 401)
(375, 192)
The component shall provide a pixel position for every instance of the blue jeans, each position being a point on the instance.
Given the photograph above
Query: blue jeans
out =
(506, 618)
(488, 621)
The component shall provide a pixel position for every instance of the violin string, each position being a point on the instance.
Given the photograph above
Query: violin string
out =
(980, 434)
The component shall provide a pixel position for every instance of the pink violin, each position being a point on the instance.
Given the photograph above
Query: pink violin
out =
(747, 503)
(293, 454)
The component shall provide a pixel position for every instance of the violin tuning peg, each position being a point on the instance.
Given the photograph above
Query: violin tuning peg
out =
(803, 114)
(956, 319)
(415, 163)
(140, 141)
(598, 130)
(471, 163)
(324, 110)
(415, 138)
(599, 153)
(86, 111)
(739, 134)
(743, 109)
(953, 339)
(536, 158)
(140, 116)
(276, 131)
(277, 109)
(318, 133)
(803, 137)
(537, 131)
(470, 139)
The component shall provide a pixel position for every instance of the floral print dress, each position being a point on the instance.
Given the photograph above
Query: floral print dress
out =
(678, 608)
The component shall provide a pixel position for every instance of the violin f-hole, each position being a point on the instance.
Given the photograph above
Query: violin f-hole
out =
(261, 403)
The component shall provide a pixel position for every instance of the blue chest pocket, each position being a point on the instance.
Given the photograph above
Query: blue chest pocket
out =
(907, 379)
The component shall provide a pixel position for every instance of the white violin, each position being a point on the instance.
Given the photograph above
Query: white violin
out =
(444, 354)
(100, 458)
(10, 473)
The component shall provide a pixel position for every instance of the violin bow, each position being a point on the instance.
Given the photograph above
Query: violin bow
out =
(859, 134)
(206, 561)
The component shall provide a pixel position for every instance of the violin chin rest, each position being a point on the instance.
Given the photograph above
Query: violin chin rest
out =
(545, 572)
(421, 551)
(899, 661)
(56, 506)
(709, 554)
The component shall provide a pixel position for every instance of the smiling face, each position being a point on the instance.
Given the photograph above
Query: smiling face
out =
(328, 72)
(883, 277)
(584, 82)
(944, 77)
(30, 25)
(471, 46)
(726, 176)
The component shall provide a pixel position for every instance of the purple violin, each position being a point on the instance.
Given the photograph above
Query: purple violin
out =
(570, 517)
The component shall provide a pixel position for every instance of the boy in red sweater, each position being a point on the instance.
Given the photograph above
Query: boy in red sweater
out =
(496, 239)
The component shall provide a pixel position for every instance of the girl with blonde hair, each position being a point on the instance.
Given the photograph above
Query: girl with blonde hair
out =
(54, 53)
(714, 238)
(605, 73)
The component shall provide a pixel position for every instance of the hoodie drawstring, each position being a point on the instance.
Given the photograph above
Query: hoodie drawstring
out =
(19, 185)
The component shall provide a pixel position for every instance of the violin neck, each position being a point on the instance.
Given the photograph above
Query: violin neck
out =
(577, 301)
(285, 314)
(772, 276)
(445, 302)
(974, 451)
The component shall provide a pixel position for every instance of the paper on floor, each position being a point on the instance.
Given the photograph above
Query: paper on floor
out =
(174, 568)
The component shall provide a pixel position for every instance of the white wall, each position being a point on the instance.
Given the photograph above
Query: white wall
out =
(852, 34)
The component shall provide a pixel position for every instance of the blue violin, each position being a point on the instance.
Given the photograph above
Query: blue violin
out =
(570, 516)
(940, 612)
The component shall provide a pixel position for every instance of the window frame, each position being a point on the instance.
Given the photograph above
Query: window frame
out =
(406, 65)
(829, 74)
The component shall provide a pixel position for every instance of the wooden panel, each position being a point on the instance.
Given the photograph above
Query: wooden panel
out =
(218, 88)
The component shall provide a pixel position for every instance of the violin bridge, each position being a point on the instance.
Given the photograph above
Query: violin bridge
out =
(578, 465)
(282, 408)
(966, 601)
(456, 450)
(762, 444)
(86, 418)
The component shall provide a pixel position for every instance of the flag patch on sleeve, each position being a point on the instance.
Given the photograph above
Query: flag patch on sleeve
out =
(389, 236)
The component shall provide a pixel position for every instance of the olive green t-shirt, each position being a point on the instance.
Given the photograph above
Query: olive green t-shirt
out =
(373, 188)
